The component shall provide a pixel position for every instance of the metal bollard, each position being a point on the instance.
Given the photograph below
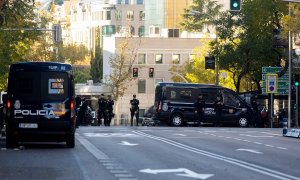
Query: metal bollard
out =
(284, 126)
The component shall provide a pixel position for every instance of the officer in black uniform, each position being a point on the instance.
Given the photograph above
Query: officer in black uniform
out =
(82, 112)
(134, 110)
(219, 107)
(110, 107)
(200, 105)
(102, 110)
(256, 117)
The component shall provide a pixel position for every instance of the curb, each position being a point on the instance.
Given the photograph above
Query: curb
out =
(292, 133)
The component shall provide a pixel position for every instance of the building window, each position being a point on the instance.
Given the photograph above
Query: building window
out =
(107, 15)
(130, 15)
(109, 30)
(126, 1)
(142, 86)
(154, 30)
(140, 2)
(176, 58)
(141, 58)
(192, 58)
(158, 58)
(118, 28)
(118, 15)
(142, 31)
(142, 15)
(119, 2)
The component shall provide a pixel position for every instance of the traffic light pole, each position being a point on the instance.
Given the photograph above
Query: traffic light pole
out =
(297, 106)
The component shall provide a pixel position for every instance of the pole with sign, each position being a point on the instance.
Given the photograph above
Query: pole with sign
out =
(271, 88)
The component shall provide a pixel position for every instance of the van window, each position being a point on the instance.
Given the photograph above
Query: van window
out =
(209, 95)
(40, 85)
(180, 94)
(230, 99)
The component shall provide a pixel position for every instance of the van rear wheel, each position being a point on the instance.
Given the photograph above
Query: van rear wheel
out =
(177, 120)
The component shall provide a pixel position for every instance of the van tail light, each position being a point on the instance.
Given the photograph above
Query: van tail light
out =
(72, 105)
(8, 104)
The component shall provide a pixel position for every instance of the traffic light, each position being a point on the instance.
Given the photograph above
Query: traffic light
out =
(235, 5)
(151, 72)
(296, 78)
(135, 72)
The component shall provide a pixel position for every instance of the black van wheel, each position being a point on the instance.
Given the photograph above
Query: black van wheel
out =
(177, 120)
(243, 121)
(11, 141)
(71, 141)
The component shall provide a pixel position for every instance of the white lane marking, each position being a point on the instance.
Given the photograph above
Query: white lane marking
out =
(125, 143)
(110, 135)
(268, 145)
(250, 150)
(81, 167)
(282, 148)
(91, 148)
(185, 172)
(256, 168)
(254, 136)
(257, 143)
(179, 134)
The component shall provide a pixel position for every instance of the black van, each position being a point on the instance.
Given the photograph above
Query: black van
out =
(40, 103)
(175, 104)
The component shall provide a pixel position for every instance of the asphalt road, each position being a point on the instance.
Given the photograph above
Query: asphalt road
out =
(158, 153)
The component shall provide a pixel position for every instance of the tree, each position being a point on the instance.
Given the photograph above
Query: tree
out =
(97, 61)
(121, 65)
(14, 44)
(244, 38)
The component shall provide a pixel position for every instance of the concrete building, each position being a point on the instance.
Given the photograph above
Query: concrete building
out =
(158, 53)
(110, 16)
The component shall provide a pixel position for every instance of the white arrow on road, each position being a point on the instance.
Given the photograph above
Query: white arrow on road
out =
(125, 143)
(250, 150)
(185, 172)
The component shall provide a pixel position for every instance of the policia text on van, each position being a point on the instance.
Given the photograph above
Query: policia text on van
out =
(40, 103)
(175, 104)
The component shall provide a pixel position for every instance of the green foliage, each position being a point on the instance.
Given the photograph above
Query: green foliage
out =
(81, 74)
(73, 53)
(97, 61)
(121, 64)
(244, 38)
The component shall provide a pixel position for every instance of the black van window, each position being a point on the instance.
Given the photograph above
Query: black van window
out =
(40, 85)
(209, 94)
(180, 94)
(230, 99)
(26, 85)
(54, 85)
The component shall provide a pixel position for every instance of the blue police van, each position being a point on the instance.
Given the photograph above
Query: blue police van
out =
(175, 104)
(40, 103)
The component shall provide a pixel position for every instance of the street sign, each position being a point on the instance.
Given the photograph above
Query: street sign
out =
(271, 83)
(283, 81)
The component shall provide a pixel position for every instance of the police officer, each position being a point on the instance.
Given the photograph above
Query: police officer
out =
(200, 105)
(102, 110)
(110, 107)
(134, 110)
(82, 112)
(218, 107)
(256, 117)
